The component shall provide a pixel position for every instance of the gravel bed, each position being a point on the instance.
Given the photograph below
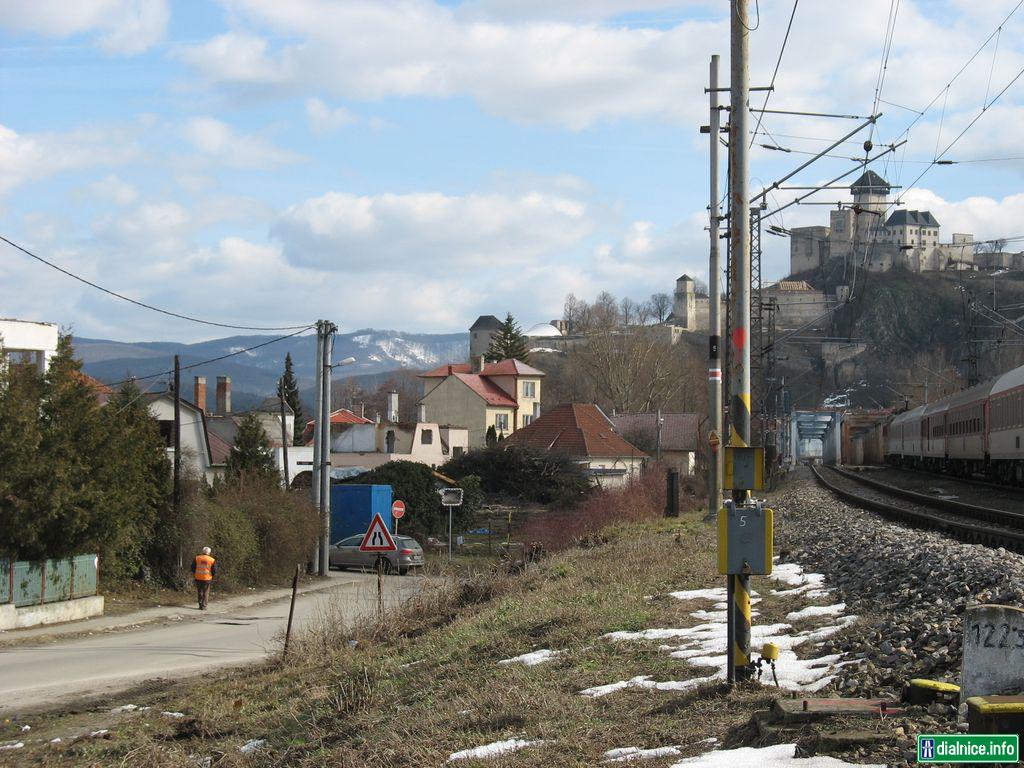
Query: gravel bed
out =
(909, 587)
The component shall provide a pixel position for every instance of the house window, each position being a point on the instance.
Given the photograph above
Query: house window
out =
(427, 437)
(529, 389)
(501, 421)
(527, 420)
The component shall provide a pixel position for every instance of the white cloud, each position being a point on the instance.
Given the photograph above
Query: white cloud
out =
(27, 158)
(532, 72)
(114, 189)
(220, 141)
(323, 119)
(340, 231)
(120, 26)
(986, 218)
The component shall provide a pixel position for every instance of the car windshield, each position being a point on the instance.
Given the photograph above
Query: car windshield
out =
(405, 541)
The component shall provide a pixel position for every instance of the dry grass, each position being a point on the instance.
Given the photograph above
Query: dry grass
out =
(426, 683)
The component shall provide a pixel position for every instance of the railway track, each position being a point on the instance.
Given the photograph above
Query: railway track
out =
(1002, 487)
(967, 522)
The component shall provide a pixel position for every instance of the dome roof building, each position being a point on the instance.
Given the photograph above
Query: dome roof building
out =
(543, 331)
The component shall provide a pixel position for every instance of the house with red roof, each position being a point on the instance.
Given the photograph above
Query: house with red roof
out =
(585, 434)
(479, 395)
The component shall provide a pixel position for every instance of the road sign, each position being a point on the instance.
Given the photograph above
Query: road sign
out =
(451, 497)
(377, 538)
(398, 510)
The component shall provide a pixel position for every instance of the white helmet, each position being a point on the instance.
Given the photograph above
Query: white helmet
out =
(206, 550)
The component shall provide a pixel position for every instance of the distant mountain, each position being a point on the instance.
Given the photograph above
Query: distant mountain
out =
(254, 373)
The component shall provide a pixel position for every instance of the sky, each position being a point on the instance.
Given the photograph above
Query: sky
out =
(411, 164)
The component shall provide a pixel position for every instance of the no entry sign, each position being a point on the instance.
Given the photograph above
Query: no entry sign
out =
(398, 510)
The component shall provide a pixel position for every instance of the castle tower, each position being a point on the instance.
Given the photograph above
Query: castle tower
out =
(871, 198)
(684, 306)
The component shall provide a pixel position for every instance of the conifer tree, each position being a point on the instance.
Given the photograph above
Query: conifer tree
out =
(508, 342)
(250, 454)
(22, 475)
(288, 388)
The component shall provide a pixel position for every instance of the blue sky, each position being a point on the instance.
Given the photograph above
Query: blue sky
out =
(411, 164)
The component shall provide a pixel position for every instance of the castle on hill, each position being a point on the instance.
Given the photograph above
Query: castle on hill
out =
(861, 234)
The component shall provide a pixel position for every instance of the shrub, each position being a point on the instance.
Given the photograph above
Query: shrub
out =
(522, 473)
(641, 499)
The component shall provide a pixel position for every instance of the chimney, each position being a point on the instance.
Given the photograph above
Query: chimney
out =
(421, 412)
(223, 395)
(392, 406)
(199, 393)
(362, 410)
(478, 364)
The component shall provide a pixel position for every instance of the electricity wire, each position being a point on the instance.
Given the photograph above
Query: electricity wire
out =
(775, 74)
(143, 304)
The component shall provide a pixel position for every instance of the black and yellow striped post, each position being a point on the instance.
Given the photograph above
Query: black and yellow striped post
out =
(741, 629)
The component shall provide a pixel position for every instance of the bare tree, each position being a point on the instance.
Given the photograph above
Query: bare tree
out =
(700, 288)
(604, 311)
(627, 311)
(573, 312)
(661, 304)
(644, 312)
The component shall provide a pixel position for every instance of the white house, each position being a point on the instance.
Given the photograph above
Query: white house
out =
(35, 342)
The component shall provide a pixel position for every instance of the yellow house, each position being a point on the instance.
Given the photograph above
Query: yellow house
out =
(504, 395)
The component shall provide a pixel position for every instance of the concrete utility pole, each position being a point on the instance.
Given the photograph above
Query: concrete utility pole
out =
(284, 435)
(177, 446)
(714, 309)
(317, 424)
(739, 243)
(325, 448)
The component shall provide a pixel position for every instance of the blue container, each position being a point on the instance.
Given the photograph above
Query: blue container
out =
(353, 507)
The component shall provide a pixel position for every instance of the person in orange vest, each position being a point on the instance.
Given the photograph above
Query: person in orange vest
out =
(204, 568)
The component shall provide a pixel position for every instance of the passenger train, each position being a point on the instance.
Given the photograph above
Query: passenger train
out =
(979, 431)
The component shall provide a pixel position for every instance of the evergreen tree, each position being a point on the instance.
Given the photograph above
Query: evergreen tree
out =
(250, 454)
(508, 342)
(288, 388)
(491, 437)
(74, 437)
(22, 474)
(137, 474)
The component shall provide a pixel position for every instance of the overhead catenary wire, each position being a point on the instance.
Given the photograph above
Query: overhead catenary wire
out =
(775, 74)
(142, 304)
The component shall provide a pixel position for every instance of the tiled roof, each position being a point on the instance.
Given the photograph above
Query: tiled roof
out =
(219, 449)
(678, 431)
(576, 430)
(272, 405)
(491, 393)
(486, 323)
(102, 391)
(912, 219)
(510, 368)
(870, 182)
(447, 370)
(340, 416)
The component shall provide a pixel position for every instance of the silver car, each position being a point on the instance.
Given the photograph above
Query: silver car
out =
(345, 554)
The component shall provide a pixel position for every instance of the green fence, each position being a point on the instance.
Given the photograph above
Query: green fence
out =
(47, 581)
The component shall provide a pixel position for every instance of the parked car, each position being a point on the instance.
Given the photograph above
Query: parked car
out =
(345, 554)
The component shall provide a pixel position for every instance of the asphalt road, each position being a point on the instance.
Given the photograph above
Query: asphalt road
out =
(38, 676)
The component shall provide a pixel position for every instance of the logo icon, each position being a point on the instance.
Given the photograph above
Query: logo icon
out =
(927, 749)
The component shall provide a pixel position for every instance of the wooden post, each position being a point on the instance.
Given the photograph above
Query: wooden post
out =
(380, 588)
(291, 612)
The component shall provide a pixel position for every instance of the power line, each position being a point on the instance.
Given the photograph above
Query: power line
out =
(143, 304)
(775, 74)
(212, 360)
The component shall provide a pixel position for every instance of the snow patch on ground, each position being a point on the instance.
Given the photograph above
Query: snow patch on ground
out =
(252, 745)
(533, 658)
(703, 645)
(816, 610)
(14, 745)
(645, 681)
(628, 754)
(778, 756)
(492, 750)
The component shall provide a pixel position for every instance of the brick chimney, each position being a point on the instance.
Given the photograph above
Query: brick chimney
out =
(223, 395)
(199, 393)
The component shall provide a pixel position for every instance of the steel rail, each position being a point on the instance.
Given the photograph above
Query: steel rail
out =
(959, 529)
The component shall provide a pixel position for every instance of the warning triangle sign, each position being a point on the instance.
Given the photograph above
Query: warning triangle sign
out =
(378, 538)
